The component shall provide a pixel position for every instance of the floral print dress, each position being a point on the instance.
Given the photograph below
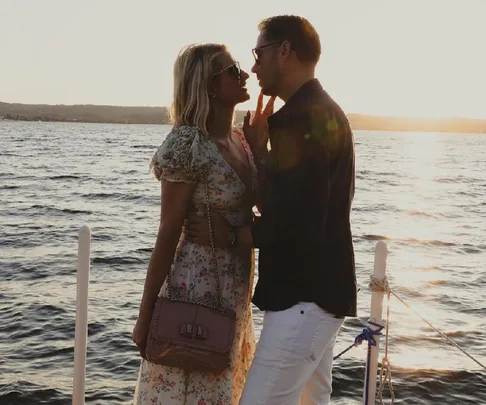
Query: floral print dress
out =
(183, 156)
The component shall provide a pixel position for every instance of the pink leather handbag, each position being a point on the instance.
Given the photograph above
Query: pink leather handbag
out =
(190, 335)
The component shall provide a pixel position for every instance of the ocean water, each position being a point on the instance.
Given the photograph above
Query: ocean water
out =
(422, 193)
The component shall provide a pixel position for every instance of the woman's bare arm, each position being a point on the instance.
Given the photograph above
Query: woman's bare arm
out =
(175, 198)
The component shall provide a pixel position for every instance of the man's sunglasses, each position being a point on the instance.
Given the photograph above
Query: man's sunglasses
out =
(233, 69)
(256, 51)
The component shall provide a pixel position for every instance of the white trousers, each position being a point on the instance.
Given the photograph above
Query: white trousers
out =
(293, 359)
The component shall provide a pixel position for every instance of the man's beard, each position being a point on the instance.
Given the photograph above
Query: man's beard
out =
(271, 90)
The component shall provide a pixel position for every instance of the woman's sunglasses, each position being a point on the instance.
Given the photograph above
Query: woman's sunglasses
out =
(233, 69)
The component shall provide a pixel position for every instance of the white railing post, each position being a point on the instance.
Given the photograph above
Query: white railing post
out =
(379, 273)
(81, 329)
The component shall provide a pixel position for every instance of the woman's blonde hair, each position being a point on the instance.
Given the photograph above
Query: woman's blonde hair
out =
(193, 70)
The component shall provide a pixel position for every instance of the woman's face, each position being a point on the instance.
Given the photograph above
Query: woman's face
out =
(229, 83)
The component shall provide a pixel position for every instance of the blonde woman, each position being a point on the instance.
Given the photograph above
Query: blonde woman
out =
(208, 84)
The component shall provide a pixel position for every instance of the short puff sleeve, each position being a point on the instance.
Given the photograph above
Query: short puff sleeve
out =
(182, 157)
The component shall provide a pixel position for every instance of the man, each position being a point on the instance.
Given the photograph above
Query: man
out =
(306, 273)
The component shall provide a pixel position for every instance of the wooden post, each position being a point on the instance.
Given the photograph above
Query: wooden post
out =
(379, 273)
(81, 329)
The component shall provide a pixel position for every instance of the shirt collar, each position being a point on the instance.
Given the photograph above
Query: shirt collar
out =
(299, 99)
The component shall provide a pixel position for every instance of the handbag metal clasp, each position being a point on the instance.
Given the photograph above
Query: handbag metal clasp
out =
(194, 331)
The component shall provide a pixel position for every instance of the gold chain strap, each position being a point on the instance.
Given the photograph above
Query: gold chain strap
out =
(220, 306)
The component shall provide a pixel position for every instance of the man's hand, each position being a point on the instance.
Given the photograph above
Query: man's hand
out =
(196, 229)
(256, 129)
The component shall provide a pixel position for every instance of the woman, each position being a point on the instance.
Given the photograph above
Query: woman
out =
(208, 84)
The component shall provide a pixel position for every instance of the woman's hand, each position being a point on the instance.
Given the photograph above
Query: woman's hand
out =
(256, 129)
(196, 229)
(140, 334)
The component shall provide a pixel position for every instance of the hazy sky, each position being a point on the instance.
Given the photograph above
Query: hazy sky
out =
(422, 58)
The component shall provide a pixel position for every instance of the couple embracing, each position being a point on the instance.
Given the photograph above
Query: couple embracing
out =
(213, 174)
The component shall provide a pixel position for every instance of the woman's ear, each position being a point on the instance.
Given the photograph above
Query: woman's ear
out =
(212, 90)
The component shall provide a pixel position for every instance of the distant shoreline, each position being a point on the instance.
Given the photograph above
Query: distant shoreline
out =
(160, 116)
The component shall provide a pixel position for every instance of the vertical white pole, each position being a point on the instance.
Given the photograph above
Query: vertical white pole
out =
(81, 330)
(369, 392)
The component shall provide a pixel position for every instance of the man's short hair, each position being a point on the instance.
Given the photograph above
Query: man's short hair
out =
(301, 34)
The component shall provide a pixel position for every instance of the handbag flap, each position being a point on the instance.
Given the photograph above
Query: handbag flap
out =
(193, 325)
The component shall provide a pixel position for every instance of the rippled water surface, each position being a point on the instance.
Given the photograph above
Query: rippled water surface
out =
(424, 194)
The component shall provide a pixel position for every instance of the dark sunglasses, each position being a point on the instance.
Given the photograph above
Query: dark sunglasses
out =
(256, 51)
(233, 69)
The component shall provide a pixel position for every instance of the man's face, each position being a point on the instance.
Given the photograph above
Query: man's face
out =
(267, 65)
